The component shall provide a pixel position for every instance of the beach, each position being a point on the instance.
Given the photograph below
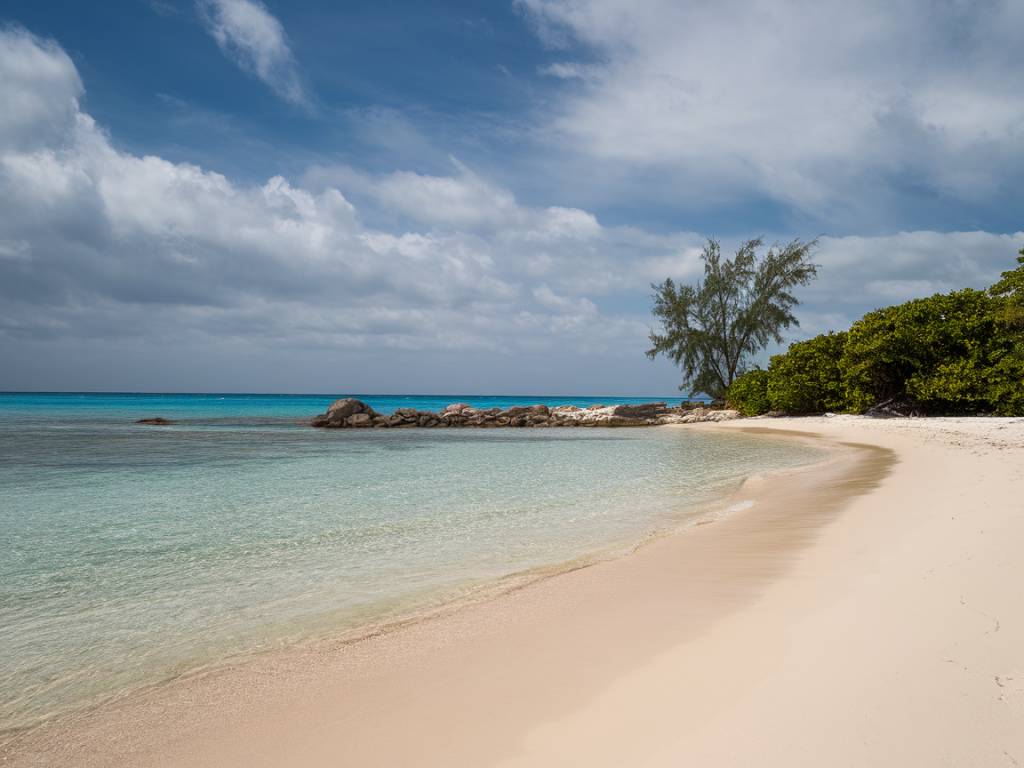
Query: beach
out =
(866, 611)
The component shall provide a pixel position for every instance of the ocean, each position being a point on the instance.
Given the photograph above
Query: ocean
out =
(133, 554)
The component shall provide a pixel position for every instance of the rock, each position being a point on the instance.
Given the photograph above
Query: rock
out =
(641, 410)
(892, 408)
(159, 421)
(350, 412)
(342, 409)
(724, 414)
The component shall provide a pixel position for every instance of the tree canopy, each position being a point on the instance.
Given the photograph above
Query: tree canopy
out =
(712, 328)
(952, 353)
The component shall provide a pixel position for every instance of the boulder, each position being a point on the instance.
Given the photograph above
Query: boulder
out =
(342, 409)
(159, 421)
(350, 412)
(641, 410)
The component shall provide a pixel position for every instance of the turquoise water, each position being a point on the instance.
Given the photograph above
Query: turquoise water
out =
(133, 553)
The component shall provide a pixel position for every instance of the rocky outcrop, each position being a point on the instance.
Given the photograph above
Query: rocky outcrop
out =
(352, 413)
(158, 421)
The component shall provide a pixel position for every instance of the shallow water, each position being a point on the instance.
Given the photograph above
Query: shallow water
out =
(135, 553)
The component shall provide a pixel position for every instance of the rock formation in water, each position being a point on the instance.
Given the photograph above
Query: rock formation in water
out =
(159, 421)
(349, 413)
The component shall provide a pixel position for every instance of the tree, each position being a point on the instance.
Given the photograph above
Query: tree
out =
(712, 328)
(808, 377)
(948, 353)
(1011, 289)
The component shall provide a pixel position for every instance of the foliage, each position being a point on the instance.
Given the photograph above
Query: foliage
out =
(1011, 289)
(808, 377)
(712, 328)
(948, 353)
(748, 393)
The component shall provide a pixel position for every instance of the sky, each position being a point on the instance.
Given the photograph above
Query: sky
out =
(475, 197)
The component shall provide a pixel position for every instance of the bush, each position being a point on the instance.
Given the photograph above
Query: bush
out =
(748, 393)
(954, 353)
(808, 377)
(945, 354)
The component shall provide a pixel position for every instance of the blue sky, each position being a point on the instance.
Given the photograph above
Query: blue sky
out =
(474, 197)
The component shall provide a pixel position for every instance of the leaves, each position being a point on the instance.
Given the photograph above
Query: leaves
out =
(712, 328)
(948, 353)
(808, 377)
(748, 394)
(960, 352)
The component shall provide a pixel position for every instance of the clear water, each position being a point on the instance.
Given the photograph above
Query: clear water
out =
(131, 554)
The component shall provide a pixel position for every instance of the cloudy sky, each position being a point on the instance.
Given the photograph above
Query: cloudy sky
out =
(474, 197)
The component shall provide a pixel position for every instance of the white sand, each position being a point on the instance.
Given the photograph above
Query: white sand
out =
(868, 613)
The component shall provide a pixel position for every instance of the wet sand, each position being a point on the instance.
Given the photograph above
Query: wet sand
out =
(868, 612)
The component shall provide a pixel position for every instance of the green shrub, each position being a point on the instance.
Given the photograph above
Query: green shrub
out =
(748, 393)
(948, 353)
(808, 377)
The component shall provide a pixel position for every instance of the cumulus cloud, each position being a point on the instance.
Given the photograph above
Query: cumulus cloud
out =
(103, 249)
(100, 242)
(41, 89)
(814, 105)
(254, 39)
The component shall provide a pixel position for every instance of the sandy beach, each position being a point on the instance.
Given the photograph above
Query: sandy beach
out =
(867, 612)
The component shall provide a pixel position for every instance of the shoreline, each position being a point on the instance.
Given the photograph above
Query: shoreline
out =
(715, 510)
(809, 628)
(432, 607)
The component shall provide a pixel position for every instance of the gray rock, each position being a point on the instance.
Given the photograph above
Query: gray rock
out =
(346, 407)
(641, 410)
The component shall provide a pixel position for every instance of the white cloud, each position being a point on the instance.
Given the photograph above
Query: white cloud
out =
(100, 242)
(859, 274)
(814, 105)
(252, 37)
(569, 70)
(41, 91)
(100, 247)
